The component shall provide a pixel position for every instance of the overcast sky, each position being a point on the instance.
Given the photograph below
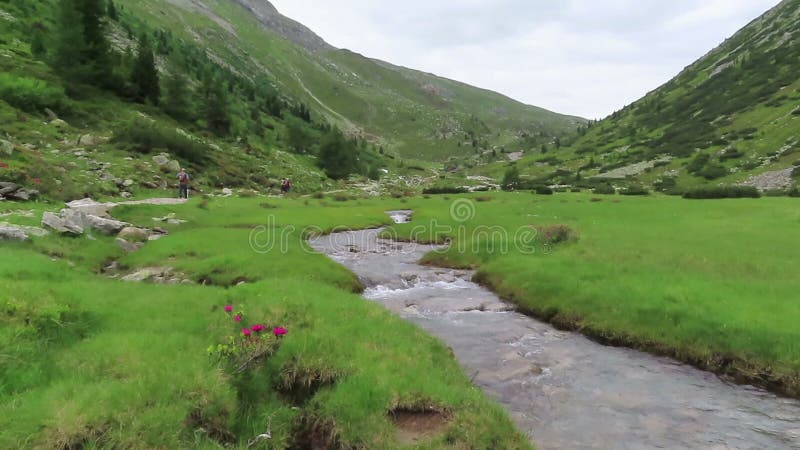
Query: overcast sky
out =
(581, 57)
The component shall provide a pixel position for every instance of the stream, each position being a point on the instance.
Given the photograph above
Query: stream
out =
(561, 389)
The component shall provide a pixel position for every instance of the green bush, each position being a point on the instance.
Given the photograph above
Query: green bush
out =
(30, 94)
(713, 172)
(543, 190)
(722, 192)
(634, 190)
(145, 135)
(435, 190)
(604, 189)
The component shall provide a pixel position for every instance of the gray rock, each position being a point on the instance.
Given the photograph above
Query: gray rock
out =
(22, 195)
(125, 194)
(148, 274)
(161, 160)
(174, 166)
(127, 183)
(88, 140)
(100, 224)
(10, 233)
(6, 147)
(128, 247)
(58, 224)
(133, 234)
(58, 123)
(7, 188)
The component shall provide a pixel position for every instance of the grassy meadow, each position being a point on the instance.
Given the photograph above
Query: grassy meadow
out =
(93, 362)
(713, 283)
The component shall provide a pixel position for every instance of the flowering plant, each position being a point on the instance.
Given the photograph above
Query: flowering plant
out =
(250, 344)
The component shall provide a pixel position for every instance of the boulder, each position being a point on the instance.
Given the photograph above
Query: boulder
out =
(88, 140)
(22, 195)
(133, 234)
(127, 183)
(174, 166)
(125, 194)
(6, 147)
(99, 224)
(58, 224)
(7, 188)
(10, 233)
(161, 160)
(128, 247)
(58, 123)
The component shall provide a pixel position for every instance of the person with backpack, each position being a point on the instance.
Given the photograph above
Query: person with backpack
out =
(286, 185)
(183, 184)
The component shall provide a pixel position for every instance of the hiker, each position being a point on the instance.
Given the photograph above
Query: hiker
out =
(183, 184)
(286, 185)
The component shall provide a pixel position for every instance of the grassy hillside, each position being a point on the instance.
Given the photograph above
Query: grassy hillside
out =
(730, 116)
(90, 361)
(409, 112)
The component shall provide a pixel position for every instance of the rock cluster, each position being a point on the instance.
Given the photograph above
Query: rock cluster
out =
(13, 191)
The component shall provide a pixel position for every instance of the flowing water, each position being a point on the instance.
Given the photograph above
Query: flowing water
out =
(563, 390)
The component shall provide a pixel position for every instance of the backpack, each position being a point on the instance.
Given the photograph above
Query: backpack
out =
(183, 177)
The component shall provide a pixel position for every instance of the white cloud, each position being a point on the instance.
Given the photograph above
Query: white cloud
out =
(583, 57)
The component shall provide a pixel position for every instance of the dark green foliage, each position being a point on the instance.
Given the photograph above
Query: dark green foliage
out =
(38, 47)
(144, 75)
(144, 136)
(30, 94)
(665, 184)
(178, 99)
(634, 189)
(713, 171)
(300, 137)
(730, 153)
(437, 190)
(511, 179)
(216, 109)
(604, 189)
(723, 192)
(543, 190)
(796, 173)
(337, 157)
(69, 43)
(112, 11)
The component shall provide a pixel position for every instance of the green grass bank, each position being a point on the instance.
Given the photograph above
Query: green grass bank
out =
(93, 362)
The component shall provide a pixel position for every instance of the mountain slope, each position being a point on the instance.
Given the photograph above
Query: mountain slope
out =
(730, 117)
(413, 113)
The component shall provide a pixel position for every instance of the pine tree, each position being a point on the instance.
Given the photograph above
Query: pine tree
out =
(177, 102)
(216, 110)
(97, 50)
(511, 179)
(336, 156)
(68, 41)
(144, 75)
(38, 48)
(112, 11)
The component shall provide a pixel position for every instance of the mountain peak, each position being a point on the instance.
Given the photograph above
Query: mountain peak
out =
(289, 29)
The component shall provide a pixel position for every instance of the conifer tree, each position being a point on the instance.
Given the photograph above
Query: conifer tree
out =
(216, 110)
(144, 75)
(177, 102)
(112, 11)
(68, 40)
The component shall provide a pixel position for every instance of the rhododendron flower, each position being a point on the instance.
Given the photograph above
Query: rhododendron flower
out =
(37, 180)
(257, 328)
(279, 331)
(246, 332)
(228, 308)
(4, 165)
(237, 318)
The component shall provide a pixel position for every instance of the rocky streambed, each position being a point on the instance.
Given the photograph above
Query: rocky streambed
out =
(562, 389)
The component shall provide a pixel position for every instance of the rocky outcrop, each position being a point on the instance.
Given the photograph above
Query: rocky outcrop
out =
(133, 234)
(9, 233)
(13, 191)
(291, 30)
(75, 222)
(59, 225)
(775, 180)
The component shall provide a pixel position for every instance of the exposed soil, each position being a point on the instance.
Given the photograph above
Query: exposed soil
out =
(417, 426)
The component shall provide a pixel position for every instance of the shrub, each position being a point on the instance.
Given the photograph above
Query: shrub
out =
(604, 189)
(796, 172)
(793, 192)
(713, 171)
(144, 136)
(31, 94)
(341, 197)
(542, 190)
(635, 190)
(436, 190)
(722, 192)
(556, 234)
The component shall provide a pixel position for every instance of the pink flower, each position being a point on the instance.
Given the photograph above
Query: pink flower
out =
(37, 180)
(246, 332)
(4, 165)
(257, 328)
(279, 331)
(228, 308)
(237, 318)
